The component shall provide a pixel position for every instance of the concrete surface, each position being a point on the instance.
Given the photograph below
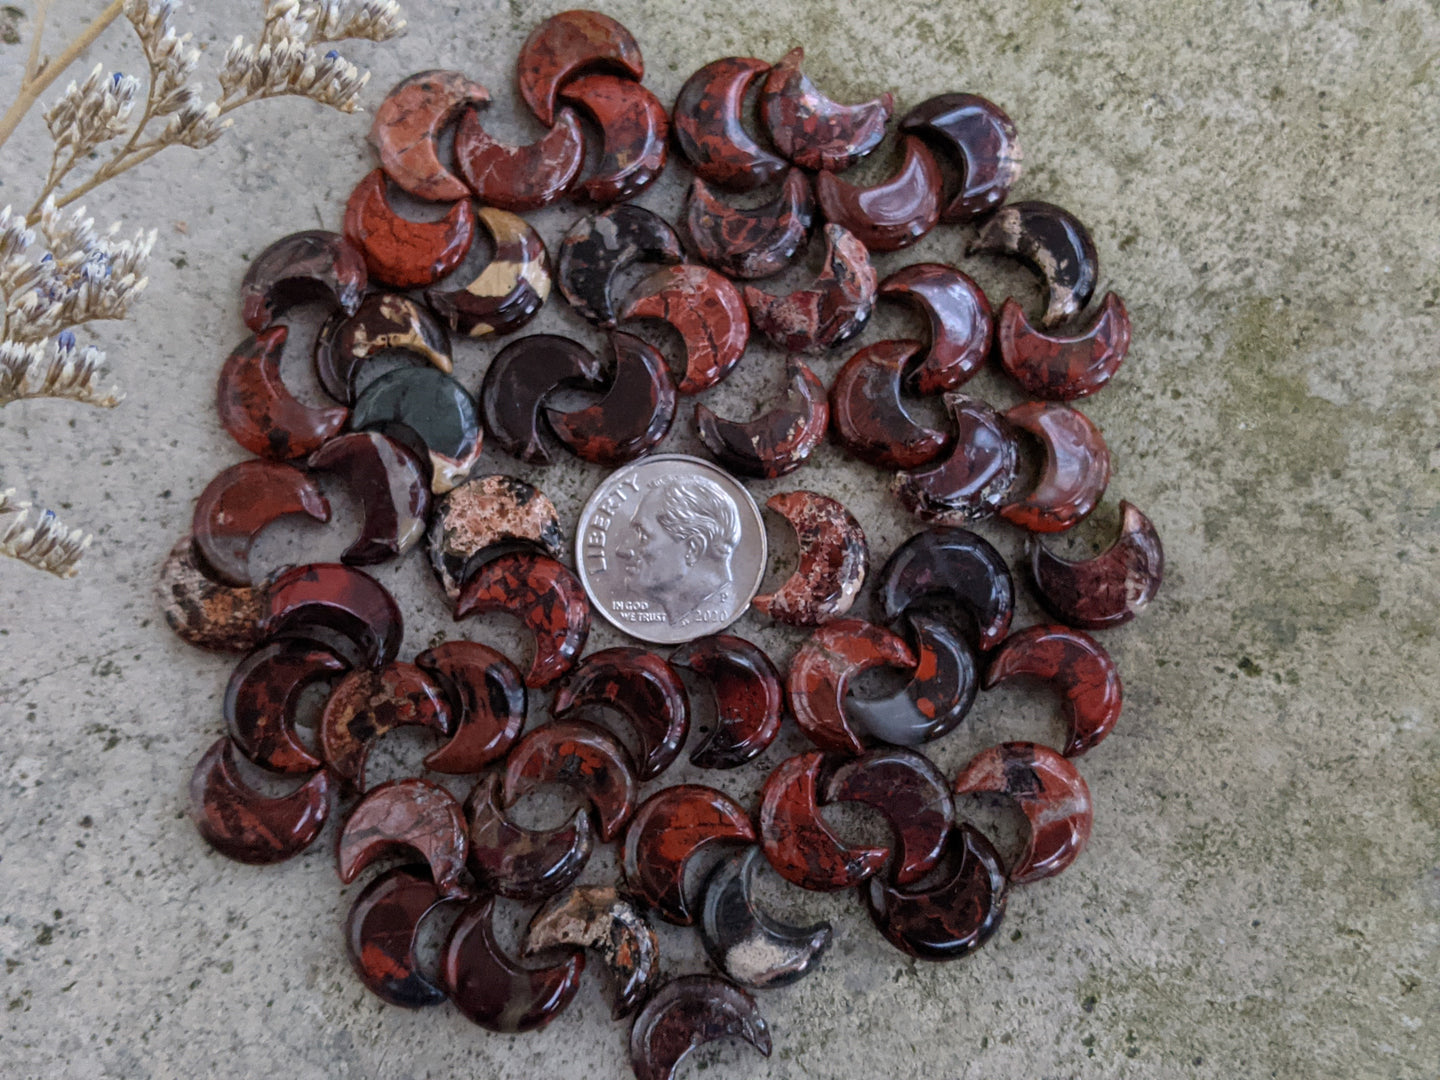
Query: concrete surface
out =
(1261, 897)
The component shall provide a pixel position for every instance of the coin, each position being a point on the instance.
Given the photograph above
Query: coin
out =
(670, 548)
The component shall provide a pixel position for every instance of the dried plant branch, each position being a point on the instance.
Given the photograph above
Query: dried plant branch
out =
(43, 542)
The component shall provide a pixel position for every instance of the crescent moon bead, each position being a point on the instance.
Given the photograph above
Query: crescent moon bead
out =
(798, 842)
(1048, 790)
(977, 476)
(259, 411)
(951, 918)
(492, 990)
(408, 124)
(263, 696)
(832, 563)
(384, 322)
(1076, 473)
(519, 379)
(486, 698)
(1110, 589)
(597, 248)
(749, 702)
(598, 917)
(743, 941)
(1058, 368)
(311, 265)
(542, 594)
(244, 825)
(909, 791)
(483, 517)
(380, 932)
(520, 178)
(820, 672)
(579, 755)
(430, 413)
(832, 311)
(705, 309)
(869, 418)
(389, 480)
(936, 699)
(752, 243)
(979, 133)
(414, 814)
(236, 506)
(960, 320)
(1055, 244)
(204, 612)
(342, 608)
(631, 418)
(402, 253)
(950, 565)
(775, 442)
(512, 287)
(709, 132)
(641, 687)
(810, 129)
(366, 705)
(566, 44)
(1078, 667)
(635, 128)
(666, 831)
(892, 214)
(519, 863)
(688, 1012)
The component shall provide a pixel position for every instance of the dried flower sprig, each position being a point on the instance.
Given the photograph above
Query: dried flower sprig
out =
(42, 541)
(80, 275)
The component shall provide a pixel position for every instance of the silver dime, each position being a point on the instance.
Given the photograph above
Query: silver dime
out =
(670, 548)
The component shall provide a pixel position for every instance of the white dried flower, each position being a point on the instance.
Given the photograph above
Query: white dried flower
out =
(44, 543)
(17, 272)
(27, 371)
(339, 20)
(196, 124)
(92, 112)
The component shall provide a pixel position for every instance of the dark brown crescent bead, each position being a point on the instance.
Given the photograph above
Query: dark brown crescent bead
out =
(380, 932)
(979, 133)
(868, 417)
(951, 918)
(204, 612)
(399, 252)
(635, 129)
(810, 129)
(408, 124)
(752, 243)
(520, 178)
(949, 566)
(383, 323)
(1059, 368)
(410, 813)
(544, 595)
(520, 863)
(641, 687)
(1110, 589)
(833, 560)
(236, 506)
(977, 476)
(775, 442)
(263, 696)
(244, 825)
(828, 313)
(961, 325)
(709, 131)
(519, 379)
(798, 842)
(487, 700)
(912, 795)
(688, 1012)
(1076, 473)
(392, 487)
(564, 45)
(1054, 243)
(631, 418)
(581, 756)
(598, 247)
(342, 608)
(749, 701)
(304, 266)
(366, 705)
(1052, 795)
(670, 827)
(258, 410)
(491, 989)
(820, 672)
(1077, 666)
(893, 213)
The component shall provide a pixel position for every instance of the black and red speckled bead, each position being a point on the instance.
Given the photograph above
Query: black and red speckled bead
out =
(670, 827)
(828, 313)
(1109, 589)
(756, 242)
(380, 932)
(749, 701)
(892, 214)
(810, 129)
(399, 252)
(777, 441)
(366, 705)
(258, 410)
(641, 687)
(241, 823)
(544, 595)
(833, 560)
(635, 133)
(709, 131)
(868, 417)
(263, 697)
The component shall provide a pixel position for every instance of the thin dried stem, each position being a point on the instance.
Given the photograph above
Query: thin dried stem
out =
(32, 63)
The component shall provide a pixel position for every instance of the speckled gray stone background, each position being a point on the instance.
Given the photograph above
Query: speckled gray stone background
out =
(1261, 896)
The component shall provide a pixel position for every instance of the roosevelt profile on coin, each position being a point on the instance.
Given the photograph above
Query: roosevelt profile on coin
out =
(679, 543)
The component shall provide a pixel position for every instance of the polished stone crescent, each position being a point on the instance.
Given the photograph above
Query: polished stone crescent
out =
(670, 548)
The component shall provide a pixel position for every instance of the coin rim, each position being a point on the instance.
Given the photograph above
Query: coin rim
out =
(689, 459)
